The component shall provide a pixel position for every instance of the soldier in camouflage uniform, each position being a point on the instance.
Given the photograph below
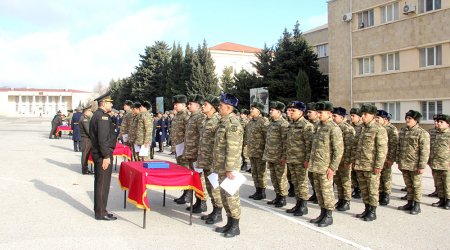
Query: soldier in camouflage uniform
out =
(132, 129)
(313, 117)
(357, 124)
(432, 132)
(342, 179)
(205, 157)
(191, 142)
(291, 190)
(326, 154)
(227, 152)
(298, 149)
(440, 161)
(244, 121)
(256, 139)
(126, 121)
(413, 152)
(144, 129)
(383, 118)
(177, 135)
(275, 153)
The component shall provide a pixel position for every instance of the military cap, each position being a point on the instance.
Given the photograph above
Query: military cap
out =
(147, 105)
(355, 111)
(137, 105)
(311, 106)
(416, 115)
(69, 110)
(340, 111)
(257, 105)
(213, 100)
(197, 99)
(381, 113)
(389, 116)
(179, 99)
(236, 111)
(369, 108)
(435, 117)
(229, 99)
(325, 105)
(442, 117)
(277, 105)
(128, 103)
(297, 105)
(245, 111)
(87, 107)
(106, 97)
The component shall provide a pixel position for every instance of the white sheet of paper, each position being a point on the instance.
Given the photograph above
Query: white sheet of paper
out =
(144, 151)
(125, 137)
(136, 148)
(214, 180)
(179, 149)
(232, 186)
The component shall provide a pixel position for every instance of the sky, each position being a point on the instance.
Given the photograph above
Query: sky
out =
(78, 44)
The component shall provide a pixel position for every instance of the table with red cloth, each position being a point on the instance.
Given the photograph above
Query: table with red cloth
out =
(120, 150)
(66, 129)
(135, 179)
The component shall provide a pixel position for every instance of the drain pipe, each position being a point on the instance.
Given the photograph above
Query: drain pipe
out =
(351, 58)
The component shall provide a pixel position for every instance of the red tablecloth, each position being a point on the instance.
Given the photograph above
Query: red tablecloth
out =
(63, 128)
(136, 179)
(120, 150)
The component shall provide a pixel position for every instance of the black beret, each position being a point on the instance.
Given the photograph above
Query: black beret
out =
(369, 108)
(340, 111)
(106, 97)
(179, 99)
(245, 111)
(137, 105)
(147, 105)
(197, 99)
(297, 105)
(213, 100)
(382, 113)
(311, 106)
(277, 105)
(355, 111)
(416, 115)
(389, 116)
(257, 105)
(229, 99)
(128, 102)
(442, 117)
(327, 106)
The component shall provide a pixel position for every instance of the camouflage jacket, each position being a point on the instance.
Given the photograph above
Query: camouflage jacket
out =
(348, 134)
(392, 141)
(413, 148)
(126, 122)
(206, 145)
(192, 135)
(256, 136)
(275, 149)
(440, 150)
(244, 123)
(132, 129)
(327, 148)
(298, 142)
(144, 128)
(370, 148)
(358, 127)
(178, 129)
(227, 145)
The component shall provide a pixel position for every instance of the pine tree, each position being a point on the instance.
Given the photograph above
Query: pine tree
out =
(227, 79)
(303, 90)
(203, 79)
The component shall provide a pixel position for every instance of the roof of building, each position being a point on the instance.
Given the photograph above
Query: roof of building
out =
(235, 47)
(321, 27)
(42, 90)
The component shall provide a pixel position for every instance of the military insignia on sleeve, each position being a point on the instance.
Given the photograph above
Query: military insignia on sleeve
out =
(104, 118)
(84, 120)
(233, 128)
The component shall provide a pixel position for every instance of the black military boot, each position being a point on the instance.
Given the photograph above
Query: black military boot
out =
(406, 207)
(318, 219)
(404, 197)
(181, 197)
(434, 194)
(293, 209)
(215, 216)
(384, 201)
(416, 208)
(363, 214)
(291, 191)
(274, 201)
(327, 219)
(253, 195)
(75, 146)
(447, 204)
(303, 209)
(281, 202)
(187, 198)
(234, 229)
(403, 189)
(372, 214)
(356, 193)
(313, 198)
(196, 207)
(224, 228)
(345, 206)
(339, 203)
(244, 166)
(260, 195)
(205, 217)
(440, 203)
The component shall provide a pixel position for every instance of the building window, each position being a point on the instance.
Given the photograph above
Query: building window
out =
(430, 56)
(366, 19)
(389, 13)
(322, 50)
(391, 62)
(429, 5)
(393, 108)
(366, 65)
(430, 108)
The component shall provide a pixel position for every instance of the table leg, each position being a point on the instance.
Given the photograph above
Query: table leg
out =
(115, 165)
(164, 198)
(145, 216)
(124, 199)
(192, 201)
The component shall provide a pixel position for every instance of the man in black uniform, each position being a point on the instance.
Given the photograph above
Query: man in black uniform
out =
(57, 121)
(103, 138)
(86, 144)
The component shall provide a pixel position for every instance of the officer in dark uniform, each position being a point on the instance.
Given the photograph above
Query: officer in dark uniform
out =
(103, 138)
(56, 121)
(76, 129)
(86, 145)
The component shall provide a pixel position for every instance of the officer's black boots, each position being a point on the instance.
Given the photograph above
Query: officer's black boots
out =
(416, 208)
(356, 193)
(406, 207)
(260, 195)
(303, 209)
(363, 214)
(384, 199)
(199, 206)
(371, 214)
(226, 227)
(313, 198)
(345, 205)
(215, 216)
(281, 202)
(440, 203)
(293, 209)
(434, 194)
(339, 203)
(318, 219)
(234, 229)
(181, 197)
(291, 190)
(327, 219)
(187, 198)
(253, 195)
(274, 201)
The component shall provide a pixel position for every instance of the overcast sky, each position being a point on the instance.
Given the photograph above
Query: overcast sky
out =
(77, 44)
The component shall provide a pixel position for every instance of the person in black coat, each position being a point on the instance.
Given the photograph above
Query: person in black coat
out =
(161, 131)
(56, 121)
(74, 124)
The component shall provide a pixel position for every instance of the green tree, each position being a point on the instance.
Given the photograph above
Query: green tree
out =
(203, 80)
(227, 79)
(303, 90)
(243, 82)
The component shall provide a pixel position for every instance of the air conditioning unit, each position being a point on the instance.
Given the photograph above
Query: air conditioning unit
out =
(347, 17)
(409, 8)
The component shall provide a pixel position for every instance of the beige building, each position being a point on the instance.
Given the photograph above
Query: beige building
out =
(317, 38)
(395, 54)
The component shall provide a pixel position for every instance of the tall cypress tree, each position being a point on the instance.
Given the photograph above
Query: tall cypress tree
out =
(303, 89)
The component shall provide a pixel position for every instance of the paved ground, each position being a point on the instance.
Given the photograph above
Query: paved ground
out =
(47, 204)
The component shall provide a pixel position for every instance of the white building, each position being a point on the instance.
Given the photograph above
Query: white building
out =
(32, 101)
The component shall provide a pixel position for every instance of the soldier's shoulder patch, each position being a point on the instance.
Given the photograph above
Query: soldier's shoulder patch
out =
(104, 118)
(233, 128)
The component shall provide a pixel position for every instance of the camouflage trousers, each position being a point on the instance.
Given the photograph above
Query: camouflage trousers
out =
(278, 177)
(244, 154)
(324, 191)
(231, 203)
(386, 180)
(343, 182)
(413, 182)
(369, 184)
(299, 178)
(354, 179)
(311, 181)
(259, 172)
(216, 201)
(442, 183)
(182, 161)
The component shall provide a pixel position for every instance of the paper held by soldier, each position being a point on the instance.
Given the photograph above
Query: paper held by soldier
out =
(137, 148)
(179, 149)
(231, 186)
(214, 180)
(144, 151)
(196, 168)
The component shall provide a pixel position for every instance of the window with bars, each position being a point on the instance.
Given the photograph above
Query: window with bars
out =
(430, 108)
(322, 50)
(390, 62)
(366, 19)
(366, 65)
(394, 109)
(430, 56)
(429, 5)
(389, 13)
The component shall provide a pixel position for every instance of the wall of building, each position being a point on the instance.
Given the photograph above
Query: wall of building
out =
(237, 60)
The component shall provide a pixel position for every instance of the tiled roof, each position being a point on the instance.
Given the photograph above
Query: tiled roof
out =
(42, 90)
(235, 47)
